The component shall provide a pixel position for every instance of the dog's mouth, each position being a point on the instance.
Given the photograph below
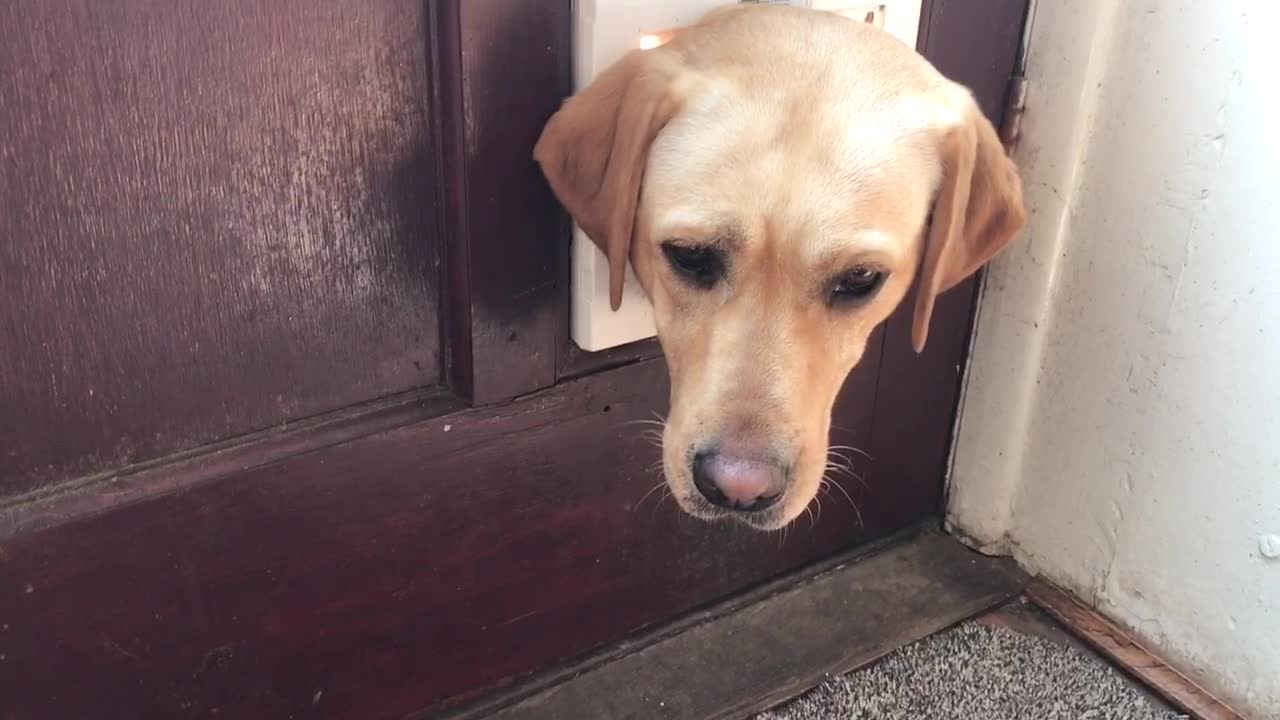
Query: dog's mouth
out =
(768, 519)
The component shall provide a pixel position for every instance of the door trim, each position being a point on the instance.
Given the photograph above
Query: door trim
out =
(501, 69)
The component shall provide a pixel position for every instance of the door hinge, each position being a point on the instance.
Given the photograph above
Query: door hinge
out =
(1015, 106)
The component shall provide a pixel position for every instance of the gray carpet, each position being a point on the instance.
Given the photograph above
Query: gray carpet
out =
(978, 672)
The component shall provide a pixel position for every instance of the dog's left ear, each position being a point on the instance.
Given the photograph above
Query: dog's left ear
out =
(978, 211)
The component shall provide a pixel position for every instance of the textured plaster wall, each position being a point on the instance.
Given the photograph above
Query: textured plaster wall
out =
(1121, 424)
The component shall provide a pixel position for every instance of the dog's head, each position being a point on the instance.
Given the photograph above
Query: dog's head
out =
(777, 178)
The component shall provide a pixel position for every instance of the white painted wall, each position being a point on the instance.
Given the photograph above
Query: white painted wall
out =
(1120, 432)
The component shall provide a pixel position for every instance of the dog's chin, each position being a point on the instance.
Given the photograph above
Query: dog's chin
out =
(765, 520)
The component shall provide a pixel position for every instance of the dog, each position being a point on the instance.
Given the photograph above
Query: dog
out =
(778, 178)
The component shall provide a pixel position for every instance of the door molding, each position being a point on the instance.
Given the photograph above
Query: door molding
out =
(501, 70)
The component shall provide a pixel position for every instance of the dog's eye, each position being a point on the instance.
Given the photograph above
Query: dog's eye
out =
(699, 264)
(856, 284)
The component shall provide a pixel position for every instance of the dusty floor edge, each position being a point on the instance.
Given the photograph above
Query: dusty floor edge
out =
(1114, 643)
(1011, 663)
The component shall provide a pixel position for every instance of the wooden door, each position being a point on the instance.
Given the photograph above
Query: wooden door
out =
(290, 424)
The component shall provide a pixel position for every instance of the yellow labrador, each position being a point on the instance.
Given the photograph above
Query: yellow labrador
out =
(777, 178)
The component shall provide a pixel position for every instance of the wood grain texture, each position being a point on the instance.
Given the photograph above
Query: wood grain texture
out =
(1112, 641)
(918, 394)
(386, 574)
(216, 216)
(95, 495)
(504, 68)
(751, 658)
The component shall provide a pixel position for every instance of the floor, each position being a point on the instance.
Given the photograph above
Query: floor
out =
(1010, 664)
(761, 648)
(886, 632)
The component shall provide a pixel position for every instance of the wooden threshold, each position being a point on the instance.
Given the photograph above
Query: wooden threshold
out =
(1114, 643)
(737, 659)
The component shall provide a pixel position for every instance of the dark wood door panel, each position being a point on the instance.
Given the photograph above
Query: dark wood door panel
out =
(920, 392)
(384, 575)
(217, 215)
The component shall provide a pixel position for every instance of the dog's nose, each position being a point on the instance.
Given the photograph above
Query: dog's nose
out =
(736, 482)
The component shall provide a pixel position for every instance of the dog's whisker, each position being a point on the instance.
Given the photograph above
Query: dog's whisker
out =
(844, 492)
(644, 497)
(851, 475)
(654, 429)
(824, 488)
(838, 469)
(644, 422)
(653, 437)
(861, 481)
(835, 456)
(846, 468)
(666, 493)
(852, 449)
(840, 454)
(848, 497)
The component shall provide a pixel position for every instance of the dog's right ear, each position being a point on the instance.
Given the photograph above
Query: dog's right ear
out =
(977, 213)
(593, 150)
